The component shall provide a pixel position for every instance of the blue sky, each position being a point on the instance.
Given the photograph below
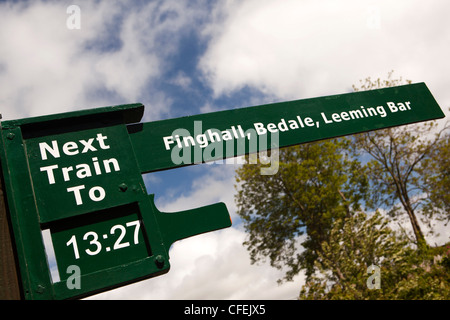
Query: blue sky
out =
(188, 57)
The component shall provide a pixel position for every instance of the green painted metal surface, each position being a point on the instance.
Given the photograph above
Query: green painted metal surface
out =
(295, 122)
(102, 240)
(78, 175)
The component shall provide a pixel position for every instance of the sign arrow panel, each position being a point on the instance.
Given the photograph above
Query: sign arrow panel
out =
(172, 143)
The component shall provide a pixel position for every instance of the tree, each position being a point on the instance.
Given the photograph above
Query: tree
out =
(322, 211)
(396, 171)
(360, 244)
(316, 184)
(355, 244)
(436, 169)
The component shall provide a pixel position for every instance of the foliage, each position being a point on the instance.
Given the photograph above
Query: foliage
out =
(358, 242)
(313, 215)
(400, 167)
(436, 172)
(316, 183)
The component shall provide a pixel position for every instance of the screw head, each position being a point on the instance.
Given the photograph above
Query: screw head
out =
(159, 261)
(40, 289)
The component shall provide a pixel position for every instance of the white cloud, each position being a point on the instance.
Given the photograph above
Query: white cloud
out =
(116, 56)
(182, 80)
(215, 184)
(301, 49)
(214, 265)
(37, 55)
(211, 266)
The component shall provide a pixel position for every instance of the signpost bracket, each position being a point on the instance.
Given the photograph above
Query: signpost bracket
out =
(176, 226)
(127, 113)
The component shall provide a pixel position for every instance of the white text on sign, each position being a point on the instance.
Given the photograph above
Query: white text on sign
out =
(56, 173)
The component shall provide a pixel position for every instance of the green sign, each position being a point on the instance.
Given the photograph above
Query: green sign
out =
(79, 176)
(82, 169)
(76, 175)
(103, 240)
(172, 143)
